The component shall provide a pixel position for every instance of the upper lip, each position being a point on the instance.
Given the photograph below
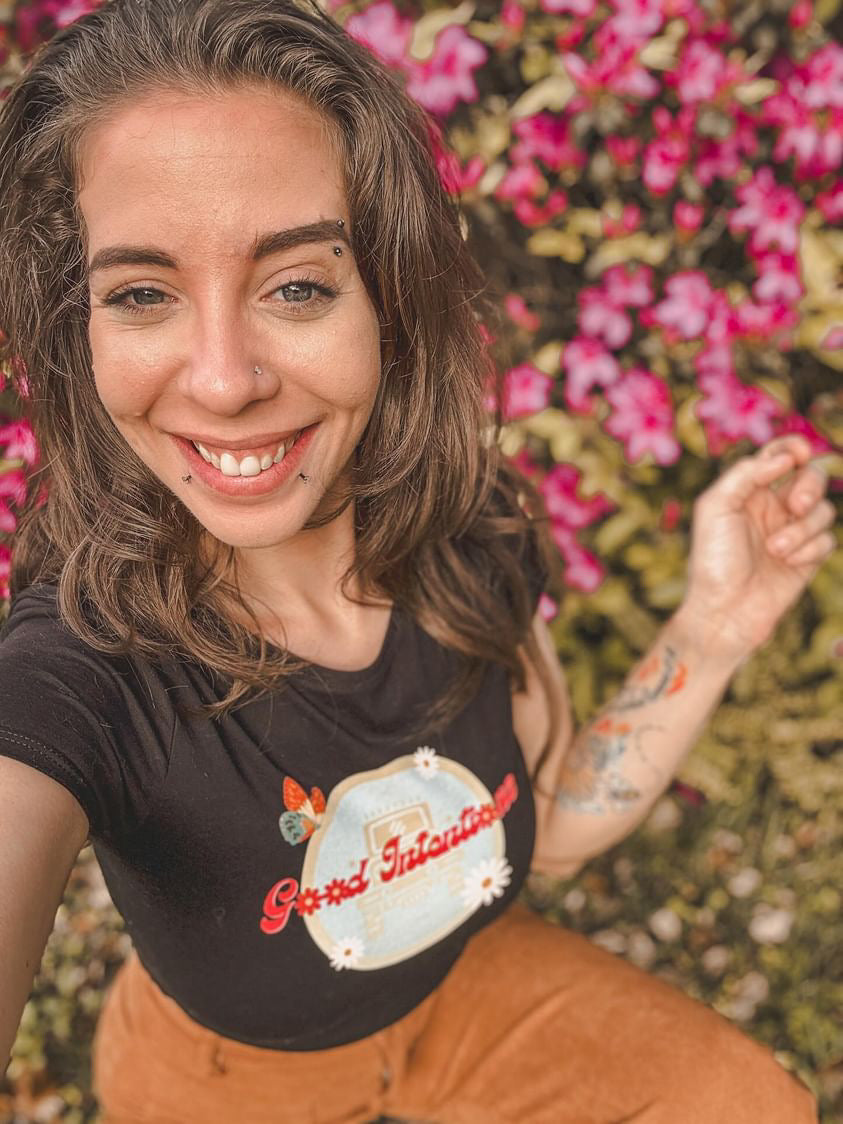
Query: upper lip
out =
(250, 442)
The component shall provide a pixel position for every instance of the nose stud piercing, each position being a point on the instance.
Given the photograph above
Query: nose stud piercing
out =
(258, 370)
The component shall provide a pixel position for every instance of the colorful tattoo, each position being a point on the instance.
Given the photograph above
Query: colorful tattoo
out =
(592, 778)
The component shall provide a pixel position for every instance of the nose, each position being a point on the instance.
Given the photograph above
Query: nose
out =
(220, 374)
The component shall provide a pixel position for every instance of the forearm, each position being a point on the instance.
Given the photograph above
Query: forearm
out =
(621, 761)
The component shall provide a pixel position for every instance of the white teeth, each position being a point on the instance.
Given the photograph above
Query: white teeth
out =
(229, 465)
(251, 465)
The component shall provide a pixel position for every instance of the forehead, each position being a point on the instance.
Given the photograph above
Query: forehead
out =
(208, 171)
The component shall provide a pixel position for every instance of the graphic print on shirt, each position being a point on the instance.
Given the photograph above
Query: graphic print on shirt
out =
(395, 860)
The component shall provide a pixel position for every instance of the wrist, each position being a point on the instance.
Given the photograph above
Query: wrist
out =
(713, 637)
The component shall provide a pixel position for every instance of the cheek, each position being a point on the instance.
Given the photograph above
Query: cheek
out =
(349, 371)
(127, 382)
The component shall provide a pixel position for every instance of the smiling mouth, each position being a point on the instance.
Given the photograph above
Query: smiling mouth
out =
(252, 464)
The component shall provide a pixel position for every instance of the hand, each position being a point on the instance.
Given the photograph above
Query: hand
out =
(740, 582)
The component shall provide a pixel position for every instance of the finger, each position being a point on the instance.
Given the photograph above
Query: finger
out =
(806, 489)
(745, 476)
(794, 537)
(815, 551)
(794, 443)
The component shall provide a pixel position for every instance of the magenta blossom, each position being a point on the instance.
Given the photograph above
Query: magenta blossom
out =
(629, 221)
(583, 570)
(526, 391)
(383, 30)
(521, 181)
(830, 202)
(5, 570)
(730, 409)
(629, 284)
(531, 213)
(559, 491)
(704, 73)
(623, 150)
(667, 154)
(587, 364)
(779, 279)
(447, 77)
(19, 440)
(688, 217)
(723, 159)
(547, 607)
(642, 416)
(770, 211)
(602, 319)
(685, 311)
(585, 9)
(547, 137)
(518, 312)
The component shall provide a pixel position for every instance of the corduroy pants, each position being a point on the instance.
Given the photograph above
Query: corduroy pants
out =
(534, 1024)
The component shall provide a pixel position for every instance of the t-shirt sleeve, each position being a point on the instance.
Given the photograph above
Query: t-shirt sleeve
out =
(64, 713)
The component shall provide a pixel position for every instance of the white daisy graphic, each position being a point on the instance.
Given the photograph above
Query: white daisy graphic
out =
(427, 763)
(346, 953)
(485, 882)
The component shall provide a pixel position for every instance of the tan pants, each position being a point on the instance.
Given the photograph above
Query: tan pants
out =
(533, 1025)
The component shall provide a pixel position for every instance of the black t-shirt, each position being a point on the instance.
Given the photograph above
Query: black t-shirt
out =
(298, 874)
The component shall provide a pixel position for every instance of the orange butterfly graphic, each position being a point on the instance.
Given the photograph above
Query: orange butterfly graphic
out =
(303, 815)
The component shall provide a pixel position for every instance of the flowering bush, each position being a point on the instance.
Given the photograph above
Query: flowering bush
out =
(654, 190)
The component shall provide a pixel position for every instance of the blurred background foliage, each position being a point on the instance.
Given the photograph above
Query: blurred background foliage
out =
(653, 188)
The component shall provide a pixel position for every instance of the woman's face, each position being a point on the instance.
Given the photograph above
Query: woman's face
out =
(212, 225)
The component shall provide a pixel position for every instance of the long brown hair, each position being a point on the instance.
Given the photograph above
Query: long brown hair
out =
(443, 522)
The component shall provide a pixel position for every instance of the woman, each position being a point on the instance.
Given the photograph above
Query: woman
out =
(274, 644)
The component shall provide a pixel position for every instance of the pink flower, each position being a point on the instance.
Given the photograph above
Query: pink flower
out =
(686, 308)
(587, 364)
(447, 77)
(688, 217)
(796, 423)
(585, 9)
(583, 570)
(5, 570)
(770, 211)
(637, 19)
(518, 312)
(19, 440)
(547, 137)
(547, 607)
(513, 15)
(629, 284)
(628, 222)
(766, 321)
(724, 159)
(526, 391)
(830, 202)
(623, 150)
(824, 78)
(734, 410)
(13, 485)
(522, 181)
(540, 214)
(667, 154)
(704, 73)
(559, 491)
(642, 416)
(778, 279)
(801, 14)
(383, 30)
(601, 319)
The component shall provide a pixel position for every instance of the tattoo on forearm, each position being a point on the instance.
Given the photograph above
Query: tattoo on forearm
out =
(592, 778)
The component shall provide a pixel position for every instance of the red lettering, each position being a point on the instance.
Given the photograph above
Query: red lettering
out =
(278, 904)
(435, 847)
(506, 794)
(390, 856)
(357, 883)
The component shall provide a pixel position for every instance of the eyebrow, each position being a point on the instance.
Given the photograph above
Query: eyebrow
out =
(263, 245)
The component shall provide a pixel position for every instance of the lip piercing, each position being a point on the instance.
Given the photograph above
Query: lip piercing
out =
(187, 478)
(303, 477)
(258, 370)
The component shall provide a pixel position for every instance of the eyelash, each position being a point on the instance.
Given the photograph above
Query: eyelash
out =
(117, 299)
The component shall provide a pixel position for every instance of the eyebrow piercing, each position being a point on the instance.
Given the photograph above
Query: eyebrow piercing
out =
(337, 250)
(340, 222)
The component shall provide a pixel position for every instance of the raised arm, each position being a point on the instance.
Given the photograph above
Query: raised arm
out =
(42, 829)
